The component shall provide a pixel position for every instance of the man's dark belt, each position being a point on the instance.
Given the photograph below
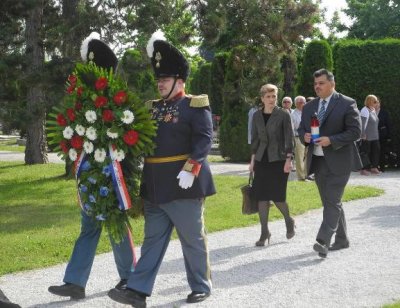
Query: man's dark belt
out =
(165, 159)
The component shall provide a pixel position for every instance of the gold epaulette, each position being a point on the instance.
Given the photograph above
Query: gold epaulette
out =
(199, 101)
(149, 103)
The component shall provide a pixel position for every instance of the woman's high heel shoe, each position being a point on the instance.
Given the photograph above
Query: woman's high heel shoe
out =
(263, 238)
(290, 226)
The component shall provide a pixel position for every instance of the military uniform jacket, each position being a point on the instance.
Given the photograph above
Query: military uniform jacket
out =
(181, 129)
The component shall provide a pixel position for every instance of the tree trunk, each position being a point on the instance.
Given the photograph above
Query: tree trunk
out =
(35, 152)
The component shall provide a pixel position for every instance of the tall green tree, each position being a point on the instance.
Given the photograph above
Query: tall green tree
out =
(318, 55)
(373, 19)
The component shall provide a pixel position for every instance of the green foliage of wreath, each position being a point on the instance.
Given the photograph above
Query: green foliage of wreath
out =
(101, 121)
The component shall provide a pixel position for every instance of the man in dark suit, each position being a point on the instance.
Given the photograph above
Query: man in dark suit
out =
(332, 156)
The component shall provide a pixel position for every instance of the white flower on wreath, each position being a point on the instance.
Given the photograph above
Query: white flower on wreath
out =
(127, 117)
(118, 155)
(111, 134)
(68, 132)
(90, 116)
(99, 155)
(73, 155)
(80, 130)
(88, 147)
(91, 133)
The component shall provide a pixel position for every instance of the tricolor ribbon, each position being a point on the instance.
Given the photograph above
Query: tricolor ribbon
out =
(119, 184)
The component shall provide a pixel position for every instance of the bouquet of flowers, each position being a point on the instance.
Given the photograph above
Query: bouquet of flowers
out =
(105, 130)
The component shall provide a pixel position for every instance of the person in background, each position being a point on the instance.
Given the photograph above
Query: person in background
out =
(81, 261)
(176, 180)
(370, 136)
(309, 98)
(332, 156)
(287, 104)
(271, 160)
(250, 122)
(299, 149)
(384, 128)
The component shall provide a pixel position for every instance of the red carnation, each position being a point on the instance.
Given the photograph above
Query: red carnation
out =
(77, 142)
(79, 91)
(72, 79)
(78, 106)
(64, 146)
(120, 98)
(71, 89)
(131, 137)
(100, 101)
(71, 114)
(61, 120)
(108, 115)
(101, 83)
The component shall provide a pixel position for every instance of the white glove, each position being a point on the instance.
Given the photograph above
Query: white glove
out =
(185, 179)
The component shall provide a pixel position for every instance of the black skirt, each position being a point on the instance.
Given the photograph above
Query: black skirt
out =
(270, 182)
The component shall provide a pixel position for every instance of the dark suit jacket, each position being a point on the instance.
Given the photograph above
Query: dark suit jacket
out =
(342, 124)
(276, 137)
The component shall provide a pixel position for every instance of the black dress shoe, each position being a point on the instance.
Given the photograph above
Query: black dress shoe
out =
(321, 249)
(72, 290)
(339, 245)
(128, 297)
(196, 297)
(122, 284)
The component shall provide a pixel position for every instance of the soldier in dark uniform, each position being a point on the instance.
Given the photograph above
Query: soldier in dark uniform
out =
(175, 180)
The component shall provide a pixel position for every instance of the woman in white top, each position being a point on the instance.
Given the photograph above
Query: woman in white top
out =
(370, 136)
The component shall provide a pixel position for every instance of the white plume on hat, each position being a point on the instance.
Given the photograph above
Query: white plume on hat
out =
(85, 43)
(157, 36)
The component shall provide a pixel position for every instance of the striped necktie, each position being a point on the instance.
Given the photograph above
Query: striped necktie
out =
(321, 112)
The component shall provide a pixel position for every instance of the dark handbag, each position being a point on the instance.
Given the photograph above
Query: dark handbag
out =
(249, 203)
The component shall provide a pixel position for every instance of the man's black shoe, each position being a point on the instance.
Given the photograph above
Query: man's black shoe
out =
(128, 297)
(72, 290)
(196, 297)
(321, 249)
(122, 284)
(338, 246)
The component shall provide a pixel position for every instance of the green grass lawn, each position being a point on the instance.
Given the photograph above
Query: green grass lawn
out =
(40, 219)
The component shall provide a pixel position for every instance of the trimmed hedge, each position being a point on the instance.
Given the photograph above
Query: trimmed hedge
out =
(371, 67)
(318, 55)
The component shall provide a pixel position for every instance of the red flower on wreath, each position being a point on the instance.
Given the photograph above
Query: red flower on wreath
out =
(61, 120)
(100, 101)
(108, 115)
(71, 89)
(131, 137)
(79, 91)
(72, 79)
(71, 114)
(101, 83)
(120, 98)
(78, 106)
(64, 146)
(77, 142)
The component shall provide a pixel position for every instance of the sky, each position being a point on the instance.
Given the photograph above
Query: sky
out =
(331, 6)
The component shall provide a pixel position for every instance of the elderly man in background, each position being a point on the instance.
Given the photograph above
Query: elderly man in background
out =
(299, 149)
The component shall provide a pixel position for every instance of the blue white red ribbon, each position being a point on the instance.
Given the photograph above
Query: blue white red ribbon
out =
(119, 184)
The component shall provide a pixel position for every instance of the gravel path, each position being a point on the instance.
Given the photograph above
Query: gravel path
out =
(283, 274)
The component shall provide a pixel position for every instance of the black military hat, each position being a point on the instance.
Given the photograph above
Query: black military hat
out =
(166, 59)
(93, 49)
